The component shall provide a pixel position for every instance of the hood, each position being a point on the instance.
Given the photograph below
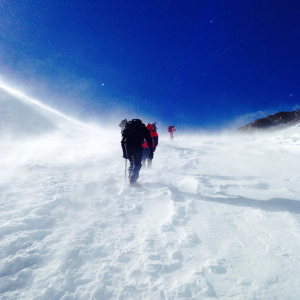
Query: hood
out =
(150, 127)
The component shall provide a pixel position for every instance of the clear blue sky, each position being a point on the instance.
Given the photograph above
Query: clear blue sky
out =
(185, 62)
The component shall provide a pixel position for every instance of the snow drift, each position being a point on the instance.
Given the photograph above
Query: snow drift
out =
(217, 217)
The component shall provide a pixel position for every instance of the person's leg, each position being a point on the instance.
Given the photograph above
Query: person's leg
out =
(136, 165)
(149, 163)
(146, 154)
(131, 163)
(144, 157)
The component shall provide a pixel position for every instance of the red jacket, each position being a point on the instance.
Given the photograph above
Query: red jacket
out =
(171, 129)
(154, 137)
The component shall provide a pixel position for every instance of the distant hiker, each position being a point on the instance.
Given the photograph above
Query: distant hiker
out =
(133, 136)
(122, 124)
(146, 150)
(171, 130)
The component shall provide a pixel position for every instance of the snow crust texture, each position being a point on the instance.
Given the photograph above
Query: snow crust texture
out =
(216, 217)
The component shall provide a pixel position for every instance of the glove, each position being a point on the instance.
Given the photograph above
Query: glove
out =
(125, 156)
(151, 155)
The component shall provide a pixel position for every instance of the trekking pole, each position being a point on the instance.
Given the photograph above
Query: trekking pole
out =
(126, 162)
(125, 169)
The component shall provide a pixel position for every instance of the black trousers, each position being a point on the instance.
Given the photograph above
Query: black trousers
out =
(145, 157)
(135, 159)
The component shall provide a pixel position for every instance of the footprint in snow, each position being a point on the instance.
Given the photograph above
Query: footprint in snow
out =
(155, 269)
(14, 265)
(190, 239)
(191, 207)
(219, 267)
(125, 258)
(177, 255)
(167, 227)
(175, 195)
(179, 216)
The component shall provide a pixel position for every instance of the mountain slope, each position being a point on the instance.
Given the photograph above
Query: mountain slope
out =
(217, 217)
(281, 120)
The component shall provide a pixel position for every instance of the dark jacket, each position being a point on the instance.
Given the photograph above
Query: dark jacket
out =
(135, 143)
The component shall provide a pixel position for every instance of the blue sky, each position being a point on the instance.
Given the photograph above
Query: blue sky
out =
(191, 63)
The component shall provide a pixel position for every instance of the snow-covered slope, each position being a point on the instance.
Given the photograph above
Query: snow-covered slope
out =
(216, 217)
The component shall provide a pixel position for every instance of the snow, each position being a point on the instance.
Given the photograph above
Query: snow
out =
(216, 217)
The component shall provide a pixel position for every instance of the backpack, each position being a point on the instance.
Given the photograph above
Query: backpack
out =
(170, 129)
(154, 127)
(133, 130)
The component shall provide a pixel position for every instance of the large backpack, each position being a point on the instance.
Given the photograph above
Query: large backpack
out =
(133, 130)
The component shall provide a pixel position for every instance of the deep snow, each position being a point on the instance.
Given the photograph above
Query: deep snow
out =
(216, 217)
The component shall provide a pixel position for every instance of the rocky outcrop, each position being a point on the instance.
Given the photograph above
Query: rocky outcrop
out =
(276, 121)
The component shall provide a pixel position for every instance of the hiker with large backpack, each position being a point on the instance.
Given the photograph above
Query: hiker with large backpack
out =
(133, 136)
(171, 130)
(146, 150)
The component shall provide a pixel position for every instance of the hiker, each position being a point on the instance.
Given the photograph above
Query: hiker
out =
(122, 124)
(155, 136)
(171, 130)
(133, 136)
(146, 150)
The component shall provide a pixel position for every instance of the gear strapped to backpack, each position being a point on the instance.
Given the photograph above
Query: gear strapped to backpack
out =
(133, 130)
(154, 127)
